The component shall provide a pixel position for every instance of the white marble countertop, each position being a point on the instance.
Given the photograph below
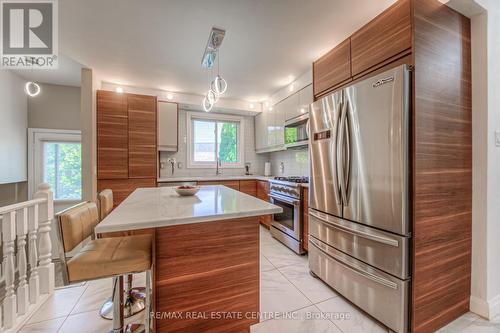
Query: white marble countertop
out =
(211, 178)
(162, 207)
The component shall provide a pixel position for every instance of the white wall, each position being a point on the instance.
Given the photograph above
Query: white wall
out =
(257, 160)
(56, 107)
(485, 26)
(13, 128)
(493, 157)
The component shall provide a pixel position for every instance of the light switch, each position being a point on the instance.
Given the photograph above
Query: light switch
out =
(497, 138)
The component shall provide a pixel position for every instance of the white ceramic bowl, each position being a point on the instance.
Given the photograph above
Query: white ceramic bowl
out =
(185, 192)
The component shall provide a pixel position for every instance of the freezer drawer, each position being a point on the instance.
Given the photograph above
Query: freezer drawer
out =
(383, 250)
(379, 294)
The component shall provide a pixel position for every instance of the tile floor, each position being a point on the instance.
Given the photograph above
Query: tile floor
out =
(292, 301)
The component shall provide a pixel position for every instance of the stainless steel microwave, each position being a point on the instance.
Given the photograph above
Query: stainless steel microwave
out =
(297, 131)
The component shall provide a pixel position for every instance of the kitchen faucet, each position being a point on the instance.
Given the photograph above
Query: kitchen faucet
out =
(217, 166)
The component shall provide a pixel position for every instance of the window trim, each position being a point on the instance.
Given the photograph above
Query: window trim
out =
(36, 138)
(191, 164)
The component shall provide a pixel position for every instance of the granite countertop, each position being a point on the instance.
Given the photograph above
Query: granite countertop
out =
(163, 207)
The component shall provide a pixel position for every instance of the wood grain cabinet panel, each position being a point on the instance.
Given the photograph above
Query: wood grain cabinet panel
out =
(112, 135)
(263, 194)
(122, 188)
(333, 68)
(207, 268)
(442, 166)
(142, 154)
(249, 187)
(234, 184)
(388, 35)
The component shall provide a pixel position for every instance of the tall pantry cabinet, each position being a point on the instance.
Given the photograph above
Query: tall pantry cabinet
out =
(126, 142)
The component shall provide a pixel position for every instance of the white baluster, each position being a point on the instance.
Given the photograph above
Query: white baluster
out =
(46, 214)
(34, 284)
(22, 266)
(8, 238)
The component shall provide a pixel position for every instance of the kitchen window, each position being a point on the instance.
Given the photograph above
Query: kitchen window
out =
(213, 138)
(56, 159)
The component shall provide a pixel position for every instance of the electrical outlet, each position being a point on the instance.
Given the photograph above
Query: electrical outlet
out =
(179, 165)
(497, 138)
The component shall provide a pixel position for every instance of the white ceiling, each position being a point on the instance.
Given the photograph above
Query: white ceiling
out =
(68, 73)
(159, 44)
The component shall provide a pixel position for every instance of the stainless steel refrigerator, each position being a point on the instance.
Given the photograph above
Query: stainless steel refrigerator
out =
(359, 226)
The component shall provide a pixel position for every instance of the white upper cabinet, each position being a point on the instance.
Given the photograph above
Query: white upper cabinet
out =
(261, 136)
(270, 124)
(305, 99)
(298, 103)
(168, 115)
(291, 106)
(279, 125)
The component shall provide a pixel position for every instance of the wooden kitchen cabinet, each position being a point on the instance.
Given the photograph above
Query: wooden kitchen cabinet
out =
(123, 187)
(305, 230)
(435, 41)
(249, 187)
(126, 143)
(142, 152)
(332, 69)
(387, 36)
(234, 184)
(112, 135)
(263, 194)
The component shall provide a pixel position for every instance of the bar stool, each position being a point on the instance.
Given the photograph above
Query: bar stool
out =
(101, 258)
(135, 299)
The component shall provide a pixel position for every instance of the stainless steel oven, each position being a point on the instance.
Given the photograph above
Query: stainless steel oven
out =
(287, 226)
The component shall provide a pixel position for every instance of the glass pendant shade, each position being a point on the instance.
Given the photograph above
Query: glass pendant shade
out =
(218, 85)
(212, 97)
(207, 106)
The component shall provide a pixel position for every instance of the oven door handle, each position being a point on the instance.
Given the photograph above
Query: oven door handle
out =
(285, 199)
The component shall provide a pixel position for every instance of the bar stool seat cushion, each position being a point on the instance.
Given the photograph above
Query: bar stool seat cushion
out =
(111, 256)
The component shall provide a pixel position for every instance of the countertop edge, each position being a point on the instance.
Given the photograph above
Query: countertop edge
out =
(189, 220)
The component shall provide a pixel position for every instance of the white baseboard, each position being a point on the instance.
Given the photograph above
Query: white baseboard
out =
(494, 307)
(487, 309)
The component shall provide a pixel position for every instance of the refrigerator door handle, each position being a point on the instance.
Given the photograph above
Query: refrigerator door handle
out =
(354, 232)
(336, 181)
(340, 149)
(347, 171)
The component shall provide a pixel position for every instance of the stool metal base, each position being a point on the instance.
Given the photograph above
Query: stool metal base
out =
(135, 302)
(131, 328)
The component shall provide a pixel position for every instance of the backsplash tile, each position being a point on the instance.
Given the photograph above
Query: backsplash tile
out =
(295, 162)
(257, 160)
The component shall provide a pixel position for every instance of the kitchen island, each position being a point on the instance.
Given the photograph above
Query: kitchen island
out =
(205, 255)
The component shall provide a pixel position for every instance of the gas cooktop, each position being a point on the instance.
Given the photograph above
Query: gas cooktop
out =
(294, 179)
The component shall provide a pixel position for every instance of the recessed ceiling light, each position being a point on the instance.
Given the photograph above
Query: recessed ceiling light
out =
(266, 104)
(170, 96)
(291, 88)
(119, 90)
(251, 105)
(32, 89)
(270, 108)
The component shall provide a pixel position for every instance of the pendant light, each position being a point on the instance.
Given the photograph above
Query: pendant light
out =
(218, 86)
